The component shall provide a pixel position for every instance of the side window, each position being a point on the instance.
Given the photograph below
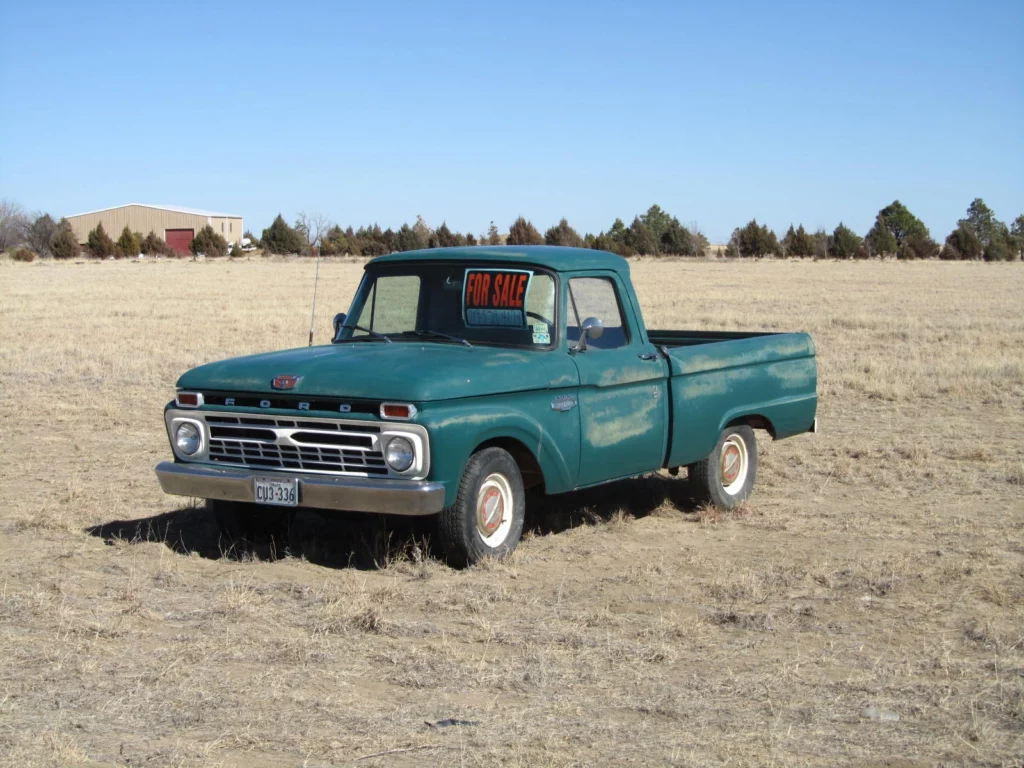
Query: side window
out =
(595, 297)
(540, 302)
(392, 305)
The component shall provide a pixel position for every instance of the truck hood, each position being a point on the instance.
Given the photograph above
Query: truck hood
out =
(402, 371)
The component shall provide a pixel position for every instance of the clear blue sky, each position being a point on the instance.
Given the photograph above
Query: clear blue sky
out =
(376, 111)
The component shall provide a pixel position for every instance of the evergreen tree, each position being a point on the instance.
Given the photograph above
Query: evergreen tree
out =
(641, 239)
(522, 232)
(153, 244)
(798, 242)
(1017, 234)
(982, 222)
(563, 234)
(444, 237)
(208, 242)
(657, 221)
(408, 239)
(918, 246)
(128, 245)
(880, 239)
(492, 237)
(901, 222)
(334, 242)
(755, 240)
(1000, 248)
(280, 238)
(677, 240)
(845, 242)
(40, 234)
(65, 244)
(788, 241)
(99, 242)
(962, 243)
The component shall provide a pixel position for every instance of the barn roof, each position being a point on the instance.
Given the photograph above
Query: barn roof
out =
(172, 208)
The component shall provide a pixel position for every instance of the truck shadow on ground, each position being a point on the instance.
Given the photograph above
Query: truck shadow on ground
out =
(370, 542)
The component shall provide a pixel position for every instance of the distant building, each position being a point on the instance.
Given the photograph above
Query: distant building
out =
(177, 226)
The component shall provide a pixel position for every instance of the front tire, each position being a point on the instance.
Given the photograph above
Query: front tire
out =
(726, 477)
(487, 517)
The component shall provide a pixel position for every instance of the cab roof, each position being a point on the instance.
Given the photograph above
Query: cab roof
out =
(557, 258)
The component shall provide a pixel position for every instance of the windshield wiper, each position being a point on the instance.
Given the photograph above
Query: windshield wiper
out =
(439, 335)
(373, 334)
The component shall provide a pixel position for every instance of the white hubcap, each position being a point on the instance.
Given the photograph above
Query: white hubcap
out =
(494, 510)
(733, 464)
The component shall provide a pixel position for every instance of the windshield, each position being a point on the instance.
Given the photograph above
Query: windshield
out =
(455, 303)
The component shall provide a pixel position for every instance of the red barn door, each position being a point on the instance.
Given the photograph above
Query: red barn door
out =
(180, 239)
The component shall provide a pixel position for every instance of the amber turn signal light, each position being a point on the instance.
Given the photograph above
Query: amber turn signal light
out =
(397, 411)
(189, 399)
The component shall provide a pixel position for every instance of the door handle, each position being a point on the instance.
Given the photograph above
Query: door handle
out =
(648, 355)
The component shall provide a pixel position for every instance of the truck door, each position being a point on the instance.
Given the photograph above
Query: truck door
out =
(623, 394)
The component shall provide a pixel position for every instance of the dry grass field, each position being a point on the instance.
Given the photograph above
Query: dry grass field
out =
(877, 572)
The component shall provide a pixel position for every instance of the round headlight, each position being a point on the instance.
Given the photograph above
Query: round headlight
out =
(187, 438)
(399, 454)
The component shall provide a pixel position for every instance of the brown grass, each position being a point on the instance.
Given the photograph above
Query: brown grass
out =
(879, 563)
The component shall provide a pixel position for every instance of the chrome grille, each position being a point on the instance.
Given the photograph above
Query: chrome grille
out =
(306, 445)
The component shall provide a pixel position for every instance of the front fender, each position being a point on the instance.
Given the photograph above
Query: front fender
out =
(458, 427)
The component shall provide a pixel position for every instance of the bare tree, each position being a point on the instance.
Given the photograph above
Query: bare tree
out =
(313, 227)
(13, 224)
(700, 240)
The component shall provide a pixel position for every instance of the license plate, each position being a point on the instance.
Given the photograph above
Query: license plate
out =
(284, 492)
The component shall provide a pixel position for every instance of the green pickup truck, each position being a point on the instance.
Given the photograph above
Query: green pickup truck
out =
(461, 377)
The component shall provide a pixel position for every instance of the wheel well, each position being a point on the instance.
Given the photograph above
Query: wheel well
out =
(529, 467)
(755, 422)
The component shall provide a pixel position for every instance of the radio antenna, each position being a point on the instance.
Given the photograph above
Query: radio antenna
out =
(316, 280)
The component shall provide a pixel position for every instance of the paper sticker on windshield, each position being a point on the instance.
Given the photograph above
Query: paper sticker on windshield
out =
(495, 298)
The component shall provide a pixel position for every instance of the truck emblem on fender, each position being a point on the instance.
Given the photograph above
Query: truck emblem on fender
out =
(285, 381)
(563, 403)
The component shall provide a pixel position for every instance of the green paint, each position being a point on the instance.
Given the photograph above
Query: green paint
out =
(661, 399)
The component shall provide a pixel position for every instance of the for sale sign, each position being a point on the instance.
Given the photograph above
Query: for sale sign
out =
(495, 298)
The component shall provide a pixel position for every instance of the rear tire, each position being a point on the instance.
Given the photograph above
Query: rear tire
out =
(487, 517)
(240, 519)
(726, 477)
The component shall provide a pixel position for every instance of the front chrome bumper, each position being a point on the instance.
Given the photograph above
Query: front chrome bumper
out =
(353, 494)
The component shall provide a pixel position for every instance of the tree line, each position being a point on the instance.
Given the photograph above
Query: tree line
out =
(654, 232)
(896, 232)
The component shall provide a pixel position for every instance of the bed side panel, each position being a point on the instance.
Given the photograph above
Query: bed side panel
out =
(712, 386)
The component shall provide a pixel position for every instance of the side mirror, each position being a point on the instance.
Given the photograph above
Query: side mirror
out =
(592, 328)
(339, 320)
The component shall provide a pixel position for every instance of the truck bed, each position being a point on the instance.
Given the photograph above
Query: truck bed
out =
(691, 338)
(718, 377)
